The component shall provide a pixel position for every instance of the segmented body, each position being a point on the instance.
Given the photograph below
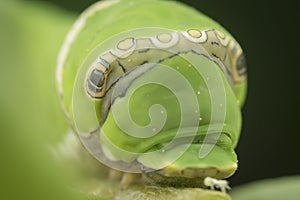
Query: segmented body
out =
(117, 63)
(216, 42)
(132, 52)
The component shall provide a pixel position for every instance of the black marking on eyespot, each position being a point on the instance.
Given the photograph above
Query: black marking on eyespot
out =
(144, 50)
(97, 78)
(145, 62)
(214, 55)
(122, 66)
(214, 43)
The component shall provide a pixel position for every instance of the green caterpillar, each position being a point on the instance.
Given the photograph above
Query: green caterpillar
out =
(154, 87)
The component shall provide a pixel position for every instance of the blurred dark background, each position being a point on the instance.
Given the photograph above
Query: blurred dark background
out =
(270, 141)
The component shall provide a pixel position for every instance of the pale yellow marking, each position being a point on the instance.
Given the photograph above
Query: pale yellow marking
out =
(195, 33)
(164, 38)
(124, 48)
(195, 36)
(126, 44)
(222, 37)
(220, 34)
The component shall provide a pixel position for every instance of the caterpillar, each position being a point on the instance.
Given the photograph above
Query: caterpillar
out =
(154, 87)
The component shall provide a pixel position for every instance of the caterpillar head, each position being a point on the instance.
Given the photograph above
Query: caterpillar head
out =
(160, 101)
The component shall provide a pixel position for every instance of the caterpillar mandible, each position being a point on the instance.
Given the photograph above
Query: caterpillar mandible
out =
(154, 87)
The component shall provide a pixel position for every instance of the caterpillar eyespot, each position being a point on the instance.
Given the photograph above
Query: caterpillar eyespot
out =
(155, 96)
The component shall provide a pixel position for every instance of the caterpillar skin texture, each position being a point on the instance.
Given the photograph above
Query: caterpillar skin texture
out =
(112, 54)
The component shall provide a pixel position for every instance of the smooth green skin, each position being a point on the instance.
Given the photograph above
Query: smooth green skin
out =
(121, 17)
(223, 160)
